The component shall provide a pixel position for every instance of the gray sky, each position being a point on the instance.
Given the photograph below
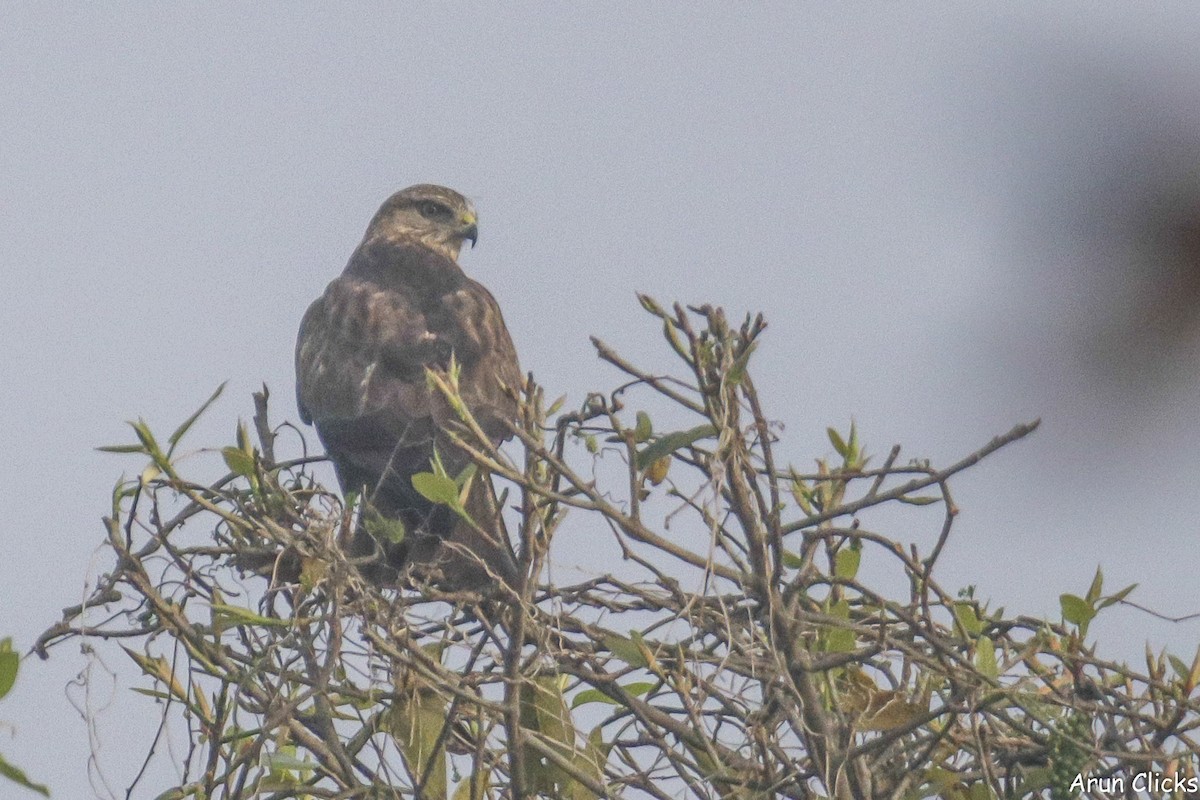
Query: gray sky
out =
(951, 218)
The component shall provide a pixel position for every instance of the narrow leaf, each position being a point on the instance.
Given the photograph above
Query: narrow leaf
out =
(244, 616)
(1118, 597)
(18, 776)
(122, 448)
(669, 443)
(1093, 593)
(186, 425)
(10, 662)
(648, 303)
(985, 657)
(637, 689)
(838, 443)
(145, 436)
(591, 696)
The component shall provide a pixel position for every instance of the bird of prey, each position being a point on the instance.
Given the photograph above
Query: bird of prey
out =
(403, 306)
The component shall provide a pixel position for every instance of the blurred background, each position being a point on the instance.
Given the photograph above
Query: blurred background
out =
(955, 219)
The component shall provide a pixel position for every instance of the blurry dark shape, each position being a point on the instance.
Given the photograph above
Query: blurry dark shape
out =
(1100, 146)
(1144, 245)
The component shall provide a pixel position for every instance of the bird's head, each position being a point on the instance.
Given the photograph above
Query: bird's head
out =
(440, 218)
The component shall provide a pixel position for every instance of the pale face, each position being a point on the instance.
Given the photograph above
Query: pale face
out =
(438, 217)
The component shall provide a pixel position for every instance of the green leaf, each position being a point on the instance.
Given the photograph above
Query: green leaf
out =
(122, 448)
(1036, 779)
(1116, 598)
(639, 641)
(544, 709)
(985, 657)
(592, 761)
(18, 776)
(464, 477)
(544, 693)
(965, 614)
(648, 303)
(145, 436)
(416, 723)
(801, 492)
(482, 780)
(1075, 609)
(847, 560)
(592, 696)
(239, 461)
(838, 443)
(243, 437)
(644, 429)
(625, 649)
(1181, 669)
(186, 425)
(10, 662)
(791, 560)
(1093, 593)
(669, 443)
(657, 472)
(243, 616)
(382, 528)
(278, 762)
(737, 371)
(439, 489)
(435, 650)
(637, 689)
(435, 463)
(981, 791)
(838, 639)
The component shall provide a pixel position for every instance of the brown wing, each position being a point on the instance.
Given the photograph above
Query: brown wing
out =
(360, 364)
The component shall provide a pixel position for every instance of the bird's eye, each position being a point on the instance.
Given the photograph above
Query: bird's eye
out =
(432, 210)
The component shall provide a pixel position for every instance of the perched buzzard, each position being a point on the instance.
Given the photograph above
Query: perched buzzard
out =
(403, 305)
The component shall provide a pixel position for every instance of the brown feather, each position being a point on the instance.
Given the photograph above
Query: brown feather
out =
(398, 308)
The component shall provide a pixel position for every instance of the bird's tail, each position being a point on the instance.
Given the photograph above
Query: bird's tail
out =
(468, 554)
(478, 552)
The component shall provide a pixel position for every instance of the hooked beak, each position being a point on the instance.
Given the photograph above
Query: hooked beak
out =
(470, 228)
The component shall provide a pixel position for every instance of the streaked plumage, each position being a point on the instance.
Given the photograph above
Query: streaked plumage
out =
(401, 305)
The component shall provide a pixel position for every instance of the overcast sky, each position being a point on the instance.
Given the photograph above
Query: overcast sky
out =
(955, 219)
